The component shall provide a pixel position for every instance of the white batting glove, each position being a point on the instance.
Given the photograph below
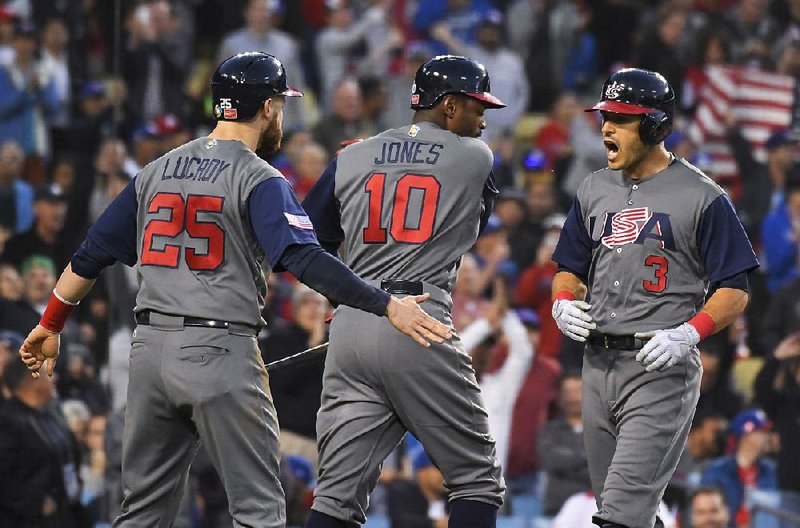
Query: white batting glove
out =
(666, 348)
(572, 319)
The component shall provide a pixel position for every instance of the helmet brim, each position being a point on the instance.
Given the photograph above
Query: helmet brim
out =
(618, 107)
(489, 99)
(291, 92)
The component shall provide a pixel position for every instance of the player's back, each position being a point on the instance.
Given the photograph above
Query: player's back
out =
(197, 254)
(410, 202)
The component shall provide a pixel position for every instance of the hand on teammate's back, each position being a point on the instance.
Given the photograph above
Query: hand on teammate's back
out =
(572, 319)
(406, 315)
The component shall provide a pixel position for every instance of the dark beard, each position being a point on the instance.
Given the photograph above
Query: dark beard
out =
(270, 142)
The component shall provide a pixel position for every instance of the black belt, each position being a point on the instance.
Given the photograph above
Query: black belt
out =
(616, 342)
(403, 287)
(143, 318)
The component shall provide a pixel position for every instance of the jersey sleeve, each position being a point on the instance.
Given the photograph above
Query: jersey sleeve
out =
(277, 219)
(488, 197)
(323, 210)
(722, 242)
(112, 236)
(574, 249)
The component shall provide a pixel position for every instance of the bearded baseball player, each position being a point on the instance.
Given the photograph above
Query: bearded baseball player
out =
(404, 206)
(201, 222)
(645, 241)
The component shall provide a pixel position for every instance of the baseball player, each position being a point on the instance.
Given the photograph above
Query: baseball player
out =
(200, 222)
(404, 206)
(644, 241)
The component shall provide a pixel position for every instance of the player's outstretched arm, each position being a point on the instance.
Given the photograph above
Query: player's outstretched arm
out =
(666, 347)
(42, 344)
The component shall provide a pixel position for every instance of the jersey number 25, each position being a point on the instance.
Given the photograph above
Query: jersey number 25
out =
(375, 234)
(183, 215)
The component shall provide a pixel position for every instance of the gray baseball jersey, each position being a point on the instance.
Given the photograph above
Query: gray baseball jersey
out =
(192, 240)
(404, 205)
(410, 202)
(648, 251)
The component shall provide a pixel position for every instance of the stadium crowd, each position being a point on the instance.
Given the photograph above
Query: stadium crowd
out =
(93, 90)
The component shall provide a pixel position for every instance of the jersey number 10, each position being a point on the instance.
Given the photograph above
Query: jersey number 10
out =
(375, 234)
(183, 216)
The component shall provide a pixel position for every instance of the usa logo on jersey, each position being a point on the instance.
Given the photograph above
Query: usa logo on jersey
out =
(634, 226)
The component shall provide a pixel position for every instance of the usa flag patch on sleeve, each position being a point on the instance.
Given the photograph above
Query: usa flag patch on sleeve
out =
(298, 221)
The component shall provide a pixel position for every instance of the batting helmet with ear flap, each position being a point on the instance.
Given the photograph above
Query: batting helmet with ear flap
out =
(451, 74)
(640, 92)
(243, 82)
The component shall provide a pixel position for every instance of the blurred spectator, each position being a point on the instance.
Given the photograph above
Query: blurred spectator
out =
(442, 20)
(712, 48)
(77, 415)
(659, 50)
(93, 468)
(501, 356)
(296, 391)
(554, 135)
(747, 468)
(708, 508)
(780, 234)
(106, 189)
(468, 301)
(534, 286)
(375, 96)
(50, 212)
(28, 94)
(55, 65)
(10, 342)
(39, 456)
(511, 207)
(91, 123)
(399, 112)
(10, 283)
(79, 379)
(286, 159)
(16, 196)
(39, 279)
(753, 32)
(588, 152)
(492, 252)
(336, 44)
(311, 163)
(716, 387)
(561, 444)
(345, 120)
(782, 316)
(7, 21)
(777, 389)
(705, 442)
(260, 34)
(157, 61)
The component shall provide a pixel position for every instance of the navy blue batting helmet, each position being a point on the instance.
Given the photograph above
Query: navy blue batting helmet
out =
(451, 74)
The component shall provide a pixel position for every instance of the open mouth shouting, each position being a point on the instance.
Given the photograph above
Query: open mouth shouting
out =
(612, 149)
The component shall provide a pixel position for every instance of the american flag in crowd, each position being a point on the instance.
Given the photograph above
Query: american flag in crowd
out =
(761, 102)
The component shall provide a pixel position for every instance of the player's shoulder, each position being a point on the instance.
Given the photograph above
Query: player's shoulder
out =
(696, 180)
(601, 178)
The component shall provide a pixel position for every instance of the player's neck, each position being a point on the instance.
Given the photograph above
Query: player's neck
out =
(656, 160)
(430, 116)
(225, 130)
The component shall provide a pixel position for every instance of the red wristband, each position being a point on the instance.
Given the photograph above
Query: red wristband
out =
(704, 324)
(56, 313)
(564, 295)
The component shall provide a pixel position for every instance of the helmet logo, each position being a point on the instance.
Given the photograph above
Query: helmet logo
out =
(614, 90)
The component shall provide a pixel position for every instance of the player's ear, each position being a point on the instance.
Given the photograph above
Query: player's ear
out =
(449, 103)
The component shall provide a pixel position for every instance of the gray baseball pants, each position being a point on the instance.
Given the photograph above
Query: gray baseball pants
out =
(190, 384)
(377, 385)
(635, 428)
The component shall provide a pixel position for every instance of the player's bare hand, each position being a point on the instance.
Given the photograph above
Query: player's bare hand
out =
(665, 348)
(788, 348)
(573, 319)
(407, 316)
(40, 348)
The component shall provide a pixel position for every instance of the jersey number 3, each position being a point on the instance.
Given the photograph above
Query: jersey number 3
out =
(375, 234)
(660, 267)
(183, 215)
